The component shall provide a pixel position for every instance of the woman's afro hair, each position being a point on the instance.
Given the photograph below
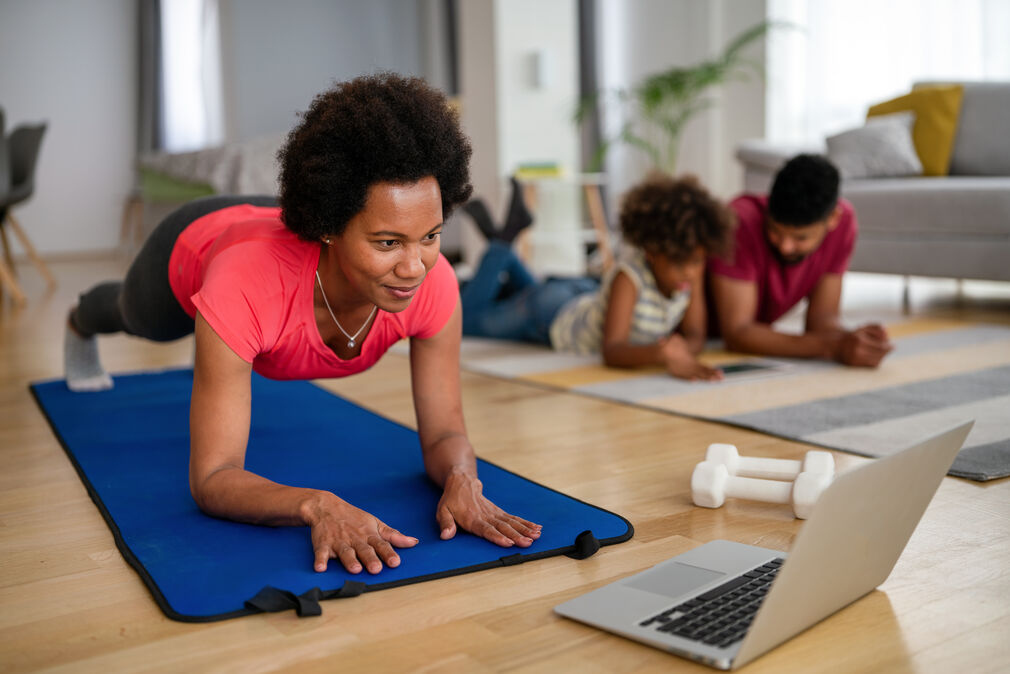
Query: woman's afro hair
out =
(372, 129)
(674, 216)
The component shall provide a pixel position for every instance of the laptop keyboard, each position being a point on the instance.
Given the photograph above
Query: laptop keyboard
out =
(721, 616)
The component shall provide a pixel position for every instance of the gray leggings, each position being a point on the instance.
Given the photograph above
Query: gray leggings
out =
(143, 304)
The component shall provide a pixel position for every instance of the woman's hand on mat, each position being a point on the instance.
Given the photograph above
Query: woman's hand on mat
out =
(463, 504)
(680, 362)
(357, 538)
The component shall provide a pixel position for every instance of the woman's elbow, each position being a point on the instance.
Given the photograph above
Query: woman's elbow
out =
(203, 491)
(199, 493)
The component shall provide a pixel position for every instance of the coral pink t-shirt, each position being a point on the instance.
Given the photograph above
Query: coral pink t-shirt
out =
(781, 286)
(252, 280)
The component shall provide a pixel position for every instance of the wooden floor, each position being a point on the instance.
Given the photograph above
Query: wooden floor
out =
(69, 602)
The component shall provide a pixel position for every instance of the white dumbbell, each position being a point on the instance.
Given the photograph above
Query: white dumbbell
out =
(711, 483)
(769, 469)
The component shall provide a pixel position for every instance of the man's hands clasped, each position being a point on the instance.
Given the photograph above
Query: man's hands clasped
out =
(359, 540)
(863, 347)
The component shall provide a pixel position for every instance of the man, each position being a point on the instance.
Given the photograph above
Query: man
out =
(794, 243)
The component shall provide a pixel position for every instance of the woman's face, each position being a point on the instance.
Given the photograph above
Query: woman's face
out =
(388, 248)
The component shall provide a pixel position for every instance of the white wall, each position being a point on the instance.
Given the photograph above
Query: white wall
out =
(479, 116)
(646, 36)
(72, 64)
(511, 119)
(278, 55)
(510, 122)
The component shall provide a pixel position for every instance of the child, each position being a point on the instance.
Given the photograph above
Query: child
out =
(649, 309)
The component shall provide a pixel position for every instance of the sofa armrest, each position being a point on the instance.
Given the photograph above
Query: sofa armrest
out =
(761, 160)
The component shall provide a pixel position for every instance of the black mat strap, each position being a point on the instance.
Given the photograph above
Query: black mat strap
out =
(272, 600)
(586, 545)
(511, 560)
(350, 588)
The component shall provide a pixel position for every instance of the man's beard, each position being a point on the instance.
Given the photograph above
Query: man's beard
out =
(789, 261)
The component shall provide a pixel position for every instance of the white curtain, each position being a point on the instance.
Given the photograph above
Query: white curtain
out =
(192, 114)
(844, 55)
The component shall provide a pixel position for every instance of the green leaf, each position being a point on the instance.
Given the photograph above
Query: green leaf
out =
(667, 100)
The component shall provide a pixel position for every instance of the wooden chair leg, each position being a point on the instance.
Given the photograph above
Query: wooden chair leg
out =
(524, 247)
(8, 281)
(132, 227)
(8, 256)
(598, 217)
(30, 249)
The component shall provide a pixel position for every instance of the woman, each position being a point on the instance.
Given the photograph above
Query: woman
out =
(321, 287)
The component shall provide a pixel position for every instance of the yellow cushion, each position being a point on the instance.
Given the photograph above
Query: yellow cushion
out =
(936, 111)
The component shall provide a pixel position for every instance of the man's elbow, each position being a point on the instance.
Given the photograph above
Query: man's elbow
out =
(736, 339)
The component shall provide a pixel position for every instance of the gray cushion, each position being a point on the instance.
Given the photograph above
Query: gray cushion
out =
(882, 148)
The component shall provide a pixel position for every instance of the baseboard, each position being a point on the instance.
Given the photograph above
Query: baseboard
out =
(72, 256)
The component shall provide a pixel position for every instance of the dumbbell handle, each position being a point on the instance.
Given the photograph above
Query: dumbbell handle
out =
(769, 491)
(768, 469)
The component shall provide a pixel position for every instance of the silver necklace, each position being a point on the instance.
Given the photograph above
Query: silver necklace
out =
(351, 339)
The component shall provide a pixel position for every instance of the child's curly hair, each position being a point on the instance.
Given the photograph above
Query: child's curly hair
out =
(376, 128)
(674, 216)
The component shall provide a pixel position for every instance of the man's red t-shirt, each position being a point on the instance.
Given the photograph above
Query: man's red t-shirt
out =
(252, 280)
(781, 286)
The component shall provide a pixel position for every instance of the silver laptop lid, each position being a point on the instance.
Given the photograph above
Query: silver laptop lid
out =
(849, 545)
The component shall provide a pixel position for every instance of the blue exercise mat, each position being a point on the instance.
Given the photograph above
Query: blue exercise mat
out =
(130, 446)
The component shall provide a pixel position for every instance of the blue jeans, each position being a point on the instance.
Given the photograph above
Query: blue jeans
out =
(504, 301)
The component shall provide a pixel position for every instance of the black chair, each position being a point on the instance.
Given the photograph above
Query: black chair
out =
(22, 149)
(7, 280)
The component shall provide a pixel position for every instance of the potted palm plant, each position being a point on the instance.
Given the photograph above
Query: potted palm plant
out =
(657, 109)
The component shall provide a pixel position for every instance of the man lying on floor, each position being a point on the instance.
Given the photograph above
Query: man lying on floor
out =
(793, 244)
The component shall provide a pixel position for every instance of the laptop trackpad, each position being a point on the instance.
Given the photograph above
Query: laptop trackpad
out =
(673, 580)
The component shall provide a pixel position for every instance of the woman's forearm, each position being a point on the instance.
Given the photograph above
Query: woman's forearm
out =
(451, 453)
(236, 494)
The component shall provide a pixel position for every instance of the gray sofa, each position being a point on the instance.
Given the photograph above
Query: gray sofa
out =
(955, 226)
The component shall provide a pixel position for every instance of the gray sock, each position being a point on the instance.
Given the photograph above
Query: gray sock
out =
(81, 365)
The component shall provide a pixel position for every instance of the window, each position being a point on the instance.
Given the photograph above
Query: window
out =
(845, 55)
(192, 116)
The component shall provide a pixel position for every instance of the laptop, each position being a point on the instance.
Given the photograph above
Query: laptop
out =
(724, 603)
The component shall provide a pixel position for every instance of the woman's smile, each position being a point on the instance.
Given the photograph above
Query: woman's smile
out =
(402, 292)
